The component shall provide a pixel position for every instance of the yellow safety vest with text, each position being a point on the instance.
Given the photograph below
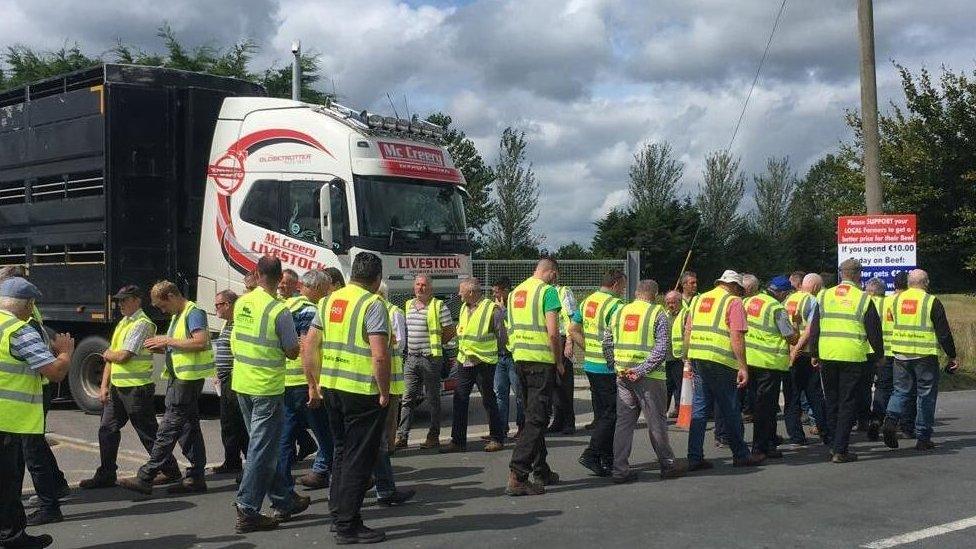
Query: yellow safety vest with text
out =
(347, 361)
(595, 310)
(564, 320)
(633, 336)
(138, 370)
(765, 345)
(912, 332)
(294, 374)
(21, 391)
(433, 324)
(798, 302)
(678, 332)
(842, 335)
(888, 324)
(710, 337)
(189, 365)
(396, 358)
(259, 361)
(474, 334)
(527, 323)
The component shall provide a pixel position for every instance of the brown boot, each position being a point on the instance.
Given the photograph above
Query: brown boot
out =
(167, 477)
(493, 446)
(253, 523)
(401, 442)
(518, 487)
(188, 486)
(431, 442)
(136, 484)
(314, 480)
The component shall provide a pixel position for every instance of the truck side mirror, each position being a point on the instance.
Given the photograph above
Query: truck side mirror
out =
(325, 208)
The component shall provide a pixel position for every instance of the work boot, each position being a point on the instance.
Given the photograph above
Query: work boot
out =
(136, 484)
(452, 448)
(547, 478)
(924, 445)
(314, 481)
(24, 541)
(874, 430)
(44, 516)
(398, 497)
(592, 463)
(518, 487)
(188, 486)
(629, 476)
(305, 451)
(226, 468)
(773, 454)
(362, 534)
(702, 465)
(494, 446)
(167, 477)
(673, 470)
(98, 481)
(751, 461)
(253, 523)
(432, 442)
(844, 458)
(401, 442)
(298, 505)
(889, 432)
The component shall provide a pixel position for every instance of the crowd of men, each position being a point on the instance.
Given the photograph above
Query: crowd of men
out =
(313, 354)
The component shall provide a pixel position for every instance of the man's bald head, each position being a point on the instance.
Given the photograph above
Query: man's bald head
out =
(812, 283)
(547, 270)
(917, 278)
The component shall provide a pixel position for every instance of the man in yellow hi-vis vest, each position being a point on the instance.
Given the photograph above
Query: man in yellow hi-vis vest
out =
(845, 338)
(920, 329)
(803, 380)
(28, 360)
(189, 360)
(714, 347)
(676, 311)
(533, 318)
(127, 389)
(884, 383)
(348, 347)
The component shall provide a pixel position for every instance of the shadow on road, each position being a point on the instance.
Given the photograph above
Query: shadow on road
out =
(178, 541)
(141, 509)
(469, 523)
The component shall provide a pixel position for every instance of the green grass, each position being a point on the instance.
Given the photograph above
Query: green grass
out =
(961, 311)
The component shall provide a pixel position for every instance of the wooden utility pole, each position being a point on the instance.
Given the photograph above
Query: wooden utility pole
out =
(869, 109)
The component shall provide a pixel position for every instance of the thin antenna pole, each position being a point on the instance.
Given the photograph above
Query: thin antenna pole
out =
(694, 239)
(395, 113)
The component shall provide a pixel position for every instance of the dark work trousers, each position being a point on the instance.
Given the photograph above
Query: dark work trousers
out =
(40, 463)
(357, 423)
(233, 433)
(863, 415)
(536, 380)
(12, 518)
(840, 383)
(125, 405)
(604, 389)
(181, 423)
(674, 370)
(563, 414)
(422, 380)
(767, 383)
(883, 386)
(803, 379)
(484, 376)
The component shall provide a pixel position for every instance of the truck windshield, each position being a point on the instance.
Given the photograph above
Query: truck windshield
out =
(401, 210)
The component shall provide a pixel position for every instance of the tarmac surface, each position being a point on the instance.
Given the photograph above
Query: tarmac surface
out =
(887, 499)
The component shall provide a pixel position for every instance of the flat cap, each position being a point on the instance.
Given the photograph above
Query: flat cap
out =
(19, 288)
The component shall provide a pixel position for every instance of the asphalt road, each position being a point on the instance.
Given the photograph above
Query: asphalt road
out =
(801, 501)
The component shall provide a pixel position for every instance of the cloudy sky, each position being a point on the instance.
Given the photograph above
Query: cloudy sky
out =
(587, 80)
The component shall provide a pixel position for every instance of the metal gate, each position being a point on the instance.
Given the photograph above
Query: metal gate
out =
(583, 276)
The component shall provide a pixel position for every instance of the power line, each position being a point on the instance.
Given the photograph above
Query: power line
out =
(755, 80)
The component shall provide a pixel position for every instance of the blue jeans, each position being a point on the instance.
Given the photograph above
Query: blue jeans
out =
(263, 417)
(295, 421)
(922, 375)
(506, 379)
(318, 420)
(715, 383)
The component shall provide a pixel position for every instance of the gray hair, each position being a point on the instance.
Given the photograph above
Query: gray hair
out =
(917, 278)
(423, 276)
(472, 282)
(850, 269)
(875, 285)
(11, 271)
(750, 283)
(13, 304)
(647, 286)
(673, 293)
(316, 279)
(813, 281)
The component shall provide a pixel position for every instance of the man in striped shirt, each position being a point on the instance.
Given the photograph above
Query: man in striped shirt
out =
(233, 433)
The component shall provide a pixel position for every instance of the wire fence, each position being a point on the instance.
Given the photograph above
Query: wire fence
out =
(583, 276)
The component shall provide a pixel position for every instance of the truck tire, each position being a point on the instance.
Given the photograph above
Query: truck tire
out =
(85, 375)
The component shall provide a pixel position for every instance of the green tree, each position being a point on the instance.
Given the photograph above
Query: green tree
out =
(26, 65)
(573, 250)
(654, 175)
(719, 195)
(516, 207)
(773, 195)
(478, 176)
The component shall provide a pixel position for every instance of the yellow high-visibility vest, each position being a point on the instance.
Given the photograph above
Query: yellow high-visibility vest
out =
(433, 324)
(188, 365)
(888, 324)
(633, 336)
(798, 301)
(259, 361)
(474, 334)
(842, 335)
(138, 370)
(347, 361)
(595, 310)
(396, 359)
(710, 336)
(678, 332)
(765, 345)
(912, 332)
(527, 323)
(564, 320)
(21, 391)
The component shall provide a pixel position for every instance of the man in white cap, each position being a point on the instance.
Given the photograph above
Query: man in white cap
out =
(714, 347)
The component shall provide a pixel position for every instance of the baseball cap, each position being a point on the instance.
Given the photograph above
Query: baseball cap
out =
(130, 290)
(730, 277)
(19, 288)
(780, 284)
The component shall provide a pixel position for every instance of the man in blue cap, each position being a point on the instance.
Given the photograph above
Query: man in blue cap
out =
(25, 360)
(768, 355)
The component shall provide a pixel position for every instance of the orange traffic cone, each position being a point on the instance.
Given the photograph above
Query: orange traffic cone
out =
(687, 394)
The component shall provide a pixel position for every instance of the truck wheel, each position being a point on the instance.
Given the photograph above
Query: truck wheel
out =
(85, 376)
